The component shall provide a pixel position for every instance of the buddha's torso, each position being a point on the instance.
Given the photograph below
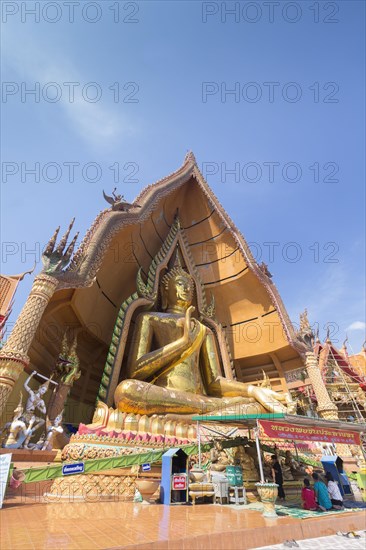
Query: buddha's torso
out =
(186, 375)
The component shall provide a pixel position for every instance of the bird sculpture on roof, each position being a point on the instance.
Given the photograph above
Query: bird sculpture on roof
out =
(118, 201)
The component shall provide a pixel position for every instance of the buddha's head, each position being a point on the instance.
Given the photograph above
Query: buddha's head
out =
(177, 289)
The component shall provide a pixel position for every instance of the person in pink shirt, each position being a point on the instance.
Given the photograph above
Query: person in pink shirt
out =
(308, 496)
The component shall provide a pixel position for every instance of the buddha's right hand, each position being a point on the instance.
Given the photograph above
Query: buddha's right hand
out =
(189, 334)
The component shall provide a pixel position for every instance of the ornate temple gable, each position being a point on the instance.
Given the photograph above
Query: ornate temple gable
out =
(120, 243)
(108, 223)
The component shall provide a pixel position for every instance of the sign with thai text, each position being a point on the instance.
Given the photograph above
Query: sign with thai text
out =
(179, 482)
(5, 461)
(234, 475)
(281, 430)
(71, 469)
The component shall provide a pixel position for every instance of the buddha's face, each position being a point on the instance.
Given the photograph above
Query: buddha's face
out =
(180, 291)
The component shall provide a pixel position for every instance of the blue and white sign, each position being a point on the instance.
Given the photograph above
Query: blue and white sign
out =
(5, 461)
(70, 469)
(146, 467)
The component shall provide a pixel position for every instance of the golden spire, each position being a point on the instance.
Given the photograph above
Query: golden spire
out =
(51, 243)
(70, 248)
(344, 347)
(63, 241)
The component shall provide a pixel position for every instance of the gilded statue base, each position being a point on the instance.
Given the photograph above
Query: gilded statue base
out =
(92, 488)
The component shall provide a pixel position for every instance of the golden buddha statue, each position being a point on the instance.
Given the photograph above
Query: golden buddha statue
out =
(220, 458)
(243, 459)
(174, 363)
(291, 468)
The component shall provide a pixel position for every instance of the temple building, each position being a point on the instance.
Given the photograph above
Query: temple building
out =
(163, 313)
(162, 318)
(344, 377)
(88, 293)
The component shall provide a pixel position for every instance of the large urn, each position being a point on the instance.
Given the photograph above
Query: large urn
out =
(196, 475)
(268, 493)
(147, 487)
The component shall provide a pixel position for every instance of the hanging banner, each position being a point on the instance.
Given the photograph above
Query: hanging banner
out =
(282, 430)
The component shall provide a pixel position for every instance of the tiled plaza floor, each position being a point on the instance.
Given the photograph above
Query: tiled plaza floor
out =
(132, 526)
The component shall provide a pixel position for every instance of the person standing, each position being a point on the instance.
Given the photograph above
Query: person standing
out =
(277, 476)
(334, 492)
(321, 492)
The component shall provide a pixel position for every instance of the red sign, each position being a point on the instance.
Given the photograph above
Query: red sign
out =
(179, 482)
(281, 430)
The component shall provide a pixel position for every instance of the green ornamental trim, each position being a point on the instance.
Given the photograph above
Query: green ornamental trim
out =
(54, 471)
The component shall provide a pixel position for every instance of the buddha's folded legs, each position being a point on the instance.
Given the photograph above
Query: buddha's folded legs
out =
(134, 396)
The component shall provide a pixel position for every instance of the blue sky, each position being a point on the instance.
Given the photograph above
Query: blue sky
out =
(173, 62)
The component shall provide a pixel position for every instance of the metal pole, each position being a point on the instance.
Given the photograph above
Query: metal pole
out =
(256, 431)
(199, 444)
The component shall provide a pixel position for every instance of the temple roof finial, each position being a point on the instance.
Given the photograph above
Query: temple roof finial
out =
(190, 158)
(328, 340)
(344, 346)
(304, 322)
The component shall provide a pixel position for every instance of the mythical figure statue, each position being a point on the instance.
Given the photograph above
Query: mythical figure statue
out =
(35, 402)
(174, 363)
(18, 431)
(53, 429)
(118, 202)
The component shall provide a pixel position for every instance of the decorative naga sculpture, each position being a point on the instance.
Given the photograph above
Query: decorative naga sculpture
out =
(66, 372)
(174, 362)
